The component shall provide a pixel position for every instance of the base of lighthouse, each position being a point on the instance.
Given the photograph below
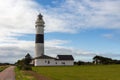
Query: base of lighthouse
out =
(60, 60)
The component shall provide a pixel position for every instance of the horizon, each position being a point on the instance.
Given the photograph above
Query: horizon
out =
(82, 28)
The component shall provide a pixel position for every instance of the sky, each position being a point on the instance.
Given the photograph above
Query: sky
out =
(82, 28)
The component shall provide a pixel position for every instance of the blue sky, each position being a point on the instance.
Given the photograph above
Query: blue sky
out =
(83, 28)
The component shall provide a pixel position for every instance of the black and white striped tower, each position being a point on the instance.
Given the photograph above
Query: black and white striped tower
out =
(39, 41)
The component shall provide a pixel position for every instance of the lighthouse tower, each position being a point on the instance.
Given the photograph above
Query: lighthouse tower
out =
(40, 58)
(39, 41)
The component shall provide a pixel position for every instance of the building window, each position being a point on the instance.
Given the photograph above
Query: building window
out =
(45, 61)
(62, 62)
(56, 62)
(48, 62)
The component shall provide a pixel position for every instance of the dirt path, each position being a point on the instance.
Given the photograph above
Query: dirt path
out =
(8, 74)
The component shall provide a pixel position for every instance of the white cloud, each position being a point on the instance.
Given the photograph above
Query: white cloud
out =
(55, 43)
(16, 17)
(70, 16)
(11, 52)
(60, 49)
(74, 15)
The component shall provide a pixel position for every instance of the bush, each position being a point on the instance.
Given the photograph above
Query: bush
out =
(24, 64)
(24, 67)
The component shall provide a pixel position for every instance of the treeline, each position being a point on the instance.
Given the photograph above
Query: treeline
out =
(104, 60)
(2, 64)
(98, 60)
(82, 63)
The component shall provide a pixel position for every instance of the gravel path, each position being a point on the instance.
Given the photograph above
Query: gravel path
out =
(8, 74)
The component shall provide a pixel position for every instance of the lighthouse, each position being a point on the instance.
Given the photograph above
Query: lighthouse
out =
(45, 60)
(39, 39)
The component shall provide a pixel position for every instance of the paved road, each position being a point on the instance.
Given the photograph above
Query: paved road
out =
(8, 74)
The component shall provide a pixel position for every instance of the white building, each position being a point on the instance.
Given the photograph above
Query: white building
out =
(61, 60)
(44, 60)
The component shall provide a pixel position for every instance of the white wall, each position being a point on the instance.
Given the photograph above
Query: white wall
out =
(44, 62)
(52, 62)
(39, 49)
(39, 30)
(65, 62)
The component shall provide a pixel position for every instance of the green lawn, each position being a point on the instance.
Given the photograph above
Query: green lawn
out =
(87, 72)
(2, 68)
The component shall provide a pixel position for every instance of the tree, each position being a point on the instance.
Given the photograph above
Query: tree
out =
(80, 63)
(28, 59)
(24, 64)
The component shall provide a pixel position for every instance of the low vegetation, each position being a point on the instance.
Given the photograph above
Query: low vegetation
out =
(85, 72)
(24, 64)
(99, 60)
(23, 69)
(23, 75)
(2, 68)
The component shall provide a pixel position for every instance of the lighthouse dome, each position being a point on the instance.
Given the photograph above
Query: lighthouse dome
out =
(39, 21)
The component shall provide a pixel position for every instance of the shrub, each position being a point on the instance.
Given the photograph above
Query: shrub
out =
(24, 64)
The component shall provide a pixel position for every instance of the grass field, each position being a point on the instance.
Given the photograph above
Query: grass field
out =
(87, 72)
(2, 68)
